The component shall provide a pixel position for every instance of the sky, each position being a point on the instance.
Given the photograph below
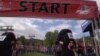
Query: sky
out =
(39, 27)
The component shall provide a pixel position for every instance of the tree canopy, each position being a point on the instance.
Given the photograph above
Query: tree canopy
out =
(50, 38)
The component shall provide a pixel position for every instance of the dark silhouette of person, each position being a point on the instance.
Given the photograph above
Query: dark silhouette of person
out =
(80, 50)
(8, 44)
(66, 42)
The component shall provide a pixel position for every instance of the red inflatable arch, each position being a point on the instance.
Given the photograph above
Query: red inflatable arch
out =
(49, 8)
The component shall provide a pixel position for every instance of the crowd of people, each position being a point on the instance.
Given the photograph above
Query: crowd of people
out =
(65, 45)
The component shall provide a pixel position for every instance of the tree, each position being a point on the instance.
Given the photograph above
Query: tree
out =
(87, 39)
(37, 41)
(50, 38)
(23, 40)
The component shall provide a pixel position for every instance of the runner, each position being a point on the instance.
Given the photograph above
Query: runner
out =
(65, 43)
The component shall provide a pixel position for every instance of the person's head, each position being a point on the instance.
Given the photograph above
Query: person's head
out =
(65, 33)
(9, 34)
(10, 40)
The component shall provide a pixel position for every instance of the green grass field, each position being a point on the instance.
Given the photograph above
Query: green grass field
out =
(35, 54)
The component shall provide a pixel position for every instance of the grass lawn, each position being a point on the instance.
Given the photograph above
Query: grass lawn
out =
(35, 54)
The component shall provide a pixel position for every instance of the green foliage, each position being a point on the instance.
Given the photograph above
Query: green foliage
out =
(35, 54)
(31, 40)
(37, 41)
(23, 40)
(88, 39)
(50, 38)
